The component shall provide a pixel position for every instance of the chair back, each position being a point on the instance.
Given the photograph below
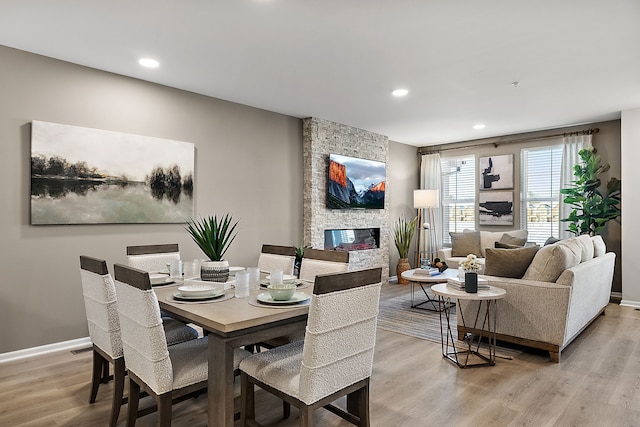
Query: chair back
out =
(143, 338)
(317, 261)
(273, 257)
(100, 304)
(341, 332)
(152, 258)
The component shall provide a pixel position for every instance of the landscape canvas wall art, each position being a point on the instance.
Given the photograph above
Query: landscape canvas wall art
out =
(496, 172)
(90, 176)
(495, 208)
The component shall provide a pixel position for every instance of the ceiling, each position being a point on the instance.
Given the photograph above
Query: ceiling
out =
(576, 61)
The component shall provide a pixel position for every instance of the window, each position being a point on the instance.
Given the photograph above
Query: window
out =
(458, 195)
(540, 192)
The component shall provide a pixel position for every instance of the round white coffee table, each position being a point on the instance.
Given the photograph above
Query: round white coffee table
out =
(489, 298)
(415, 278)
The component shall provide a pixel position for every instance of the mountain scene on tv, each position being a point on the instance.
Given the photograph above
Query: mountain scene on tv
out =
(355, 183)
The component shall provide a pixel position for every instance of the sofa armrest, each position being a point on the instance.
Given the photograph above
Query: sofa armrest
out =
(444, 253)
(590, 283)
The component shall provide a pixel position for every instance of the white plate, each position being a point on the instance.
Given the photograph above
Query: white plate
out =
(297, 297)
(199, 290)
(180, 297)
(234, 270)
(160, 278)
(285, 277)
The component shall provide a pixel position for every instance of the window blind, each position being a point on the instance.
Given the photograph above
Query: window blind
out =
(458, 195)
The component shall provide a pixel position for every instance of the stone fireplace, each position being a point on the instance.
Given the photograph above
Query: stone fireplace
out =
(352, 239)
(321, 138)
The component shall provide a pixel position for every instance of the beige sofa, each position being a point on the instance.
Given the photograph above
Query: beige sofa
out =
(477, 242)
(566, 287)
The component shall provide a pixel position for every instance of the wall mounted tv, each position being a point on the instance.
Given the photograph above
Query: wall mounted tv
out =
(355, 183)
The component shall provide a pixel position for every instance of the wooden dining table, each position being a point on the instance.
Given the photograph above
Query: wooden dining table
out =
(231, 324)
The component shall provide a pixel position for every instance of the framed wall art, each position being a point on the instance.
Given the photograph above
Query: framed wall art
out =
(496, 172)
(91, 176)
(495, 208)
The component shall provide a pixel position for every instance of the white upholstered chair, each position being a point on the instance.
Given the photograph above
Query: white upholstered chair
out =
(335, 358)
(152, 258)
(164, 372)
(273, 257)
(100, 304)
(317, 261)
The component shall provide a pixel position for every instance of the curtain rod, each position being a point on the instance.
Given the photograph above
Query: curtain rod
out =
(496, 144)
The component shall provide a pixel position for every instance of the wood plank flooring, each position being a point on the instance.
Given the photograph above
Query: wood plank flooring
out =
(597, 384)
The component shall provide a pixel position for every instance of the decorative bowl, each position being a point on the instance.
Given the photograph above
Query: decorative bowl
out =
(282, 291)
(198, 288)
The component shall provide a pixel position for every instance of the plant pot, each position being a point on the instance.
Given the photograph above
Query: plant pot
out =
(403, 265)
(214, 271)
(471, 282)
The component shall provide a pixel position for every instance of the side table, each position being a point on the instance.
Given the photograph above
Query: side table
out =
(423, 280)
(486, 297)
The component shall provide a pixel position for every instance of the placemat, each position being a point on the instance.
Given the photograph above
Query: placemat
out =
(227, 296)
(254, 301)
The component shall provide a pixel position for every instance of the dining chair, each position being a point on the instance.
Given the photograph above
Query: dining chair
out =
(166, 373)
(100, 304)
(273, 257)
(152, 258)
(317, 261)
(335, 359)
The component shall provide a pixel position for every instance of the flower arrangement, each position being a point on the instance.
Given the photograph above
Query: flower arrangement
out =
(471, 264)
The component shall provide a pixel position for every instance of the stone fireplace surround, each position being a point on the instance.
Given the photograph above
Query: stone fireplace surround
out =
(321, 138)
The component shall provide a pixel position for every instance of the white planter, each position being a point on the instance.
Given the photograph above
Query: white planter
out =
(215, 271)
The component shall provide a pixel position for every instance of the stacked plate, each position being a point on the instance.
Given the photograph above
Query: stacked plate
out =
(160, 279)
(198, 290)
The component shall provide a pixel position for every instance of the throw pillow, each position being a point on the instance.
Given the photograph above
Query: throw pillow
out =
(551, 240)
(599, 247)
(511, 263)
(463, 244)
(513, 240)
(574, 246)
(500, 245)
(549, 263)
(587, 247)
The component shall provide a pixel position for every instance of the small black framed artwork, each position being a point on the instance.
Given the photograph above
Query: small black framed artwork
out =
(496, 172)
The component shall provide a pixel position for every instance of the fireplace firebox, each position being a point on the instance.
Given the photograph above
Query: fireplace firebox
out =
(352, 239)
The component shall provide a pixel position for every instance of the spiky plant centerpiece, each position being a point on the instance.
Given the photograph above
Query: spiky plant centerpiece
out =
(213, 237)
(403, 235)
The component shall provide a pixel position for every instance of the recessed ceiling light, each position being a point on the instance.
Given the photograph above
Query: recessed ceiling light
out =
(148, 62)
(479, 126)
(400, 92)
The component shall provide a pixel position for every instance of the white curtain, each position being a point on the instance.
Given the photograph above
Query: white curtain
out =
(571, 145)
(431, 179)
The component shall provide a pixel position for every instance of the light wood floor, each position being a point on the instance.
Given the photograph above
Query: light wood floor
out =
(597, 384)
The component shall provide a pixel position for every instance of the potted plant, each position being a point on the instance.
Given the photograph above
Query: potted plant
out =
(298, 261)
(591, 208)
(213, 237)
(403, 235)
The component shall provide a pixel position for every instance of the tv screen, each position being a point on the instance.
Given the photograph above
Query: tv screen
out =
(355, 183)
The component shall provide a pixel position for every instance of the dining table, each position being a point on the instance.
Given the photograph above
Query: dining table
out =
(229, 324)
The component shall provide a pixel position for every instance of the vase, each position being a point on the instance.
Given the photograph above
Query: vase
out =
(471, 282)
(403, 265)
(214, 271)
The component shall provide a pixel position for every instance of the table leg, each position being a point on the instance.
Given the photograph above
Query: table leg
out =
(428, 301)
(220, 394)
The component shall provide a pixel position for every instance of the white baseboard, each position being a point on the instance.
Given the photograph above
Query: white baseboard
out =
(627, 303)
(44, 349)
(393, 279)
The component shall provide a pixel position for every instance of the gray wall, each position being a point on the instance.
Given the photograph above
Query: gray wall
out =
(248, 163)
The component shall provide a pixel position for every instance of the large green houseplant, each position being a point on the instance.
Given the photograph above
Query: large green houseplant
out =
(591, 209)
(213, 237)
(403, 232)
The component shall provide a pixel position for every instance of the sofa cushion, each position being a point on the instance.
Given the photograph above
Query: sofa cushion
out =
(599, 247)
(500, 245)
(463, 244)
(550, 261)
(587, 247)
(489, 238)
(509, 262)
(574, 246)
(513, 240)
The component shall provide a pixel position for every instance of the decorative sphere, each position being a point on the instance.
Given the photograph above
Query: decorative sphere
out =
(426, 226)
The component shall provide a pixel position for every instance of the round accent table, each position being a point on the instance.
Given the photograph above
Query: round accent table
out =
(424, 281)
(486, 298)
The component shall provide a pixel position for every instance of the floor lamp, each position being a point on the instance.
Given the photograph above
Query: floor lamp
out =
(425, 199)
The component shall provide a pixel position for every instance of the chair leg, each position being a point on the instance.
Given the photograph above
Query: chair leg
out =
(118, 389)
(363, 406)
(134, 398)
(306, 416)
(105, 372)
(96, 375)
(286, 409)
(247, 402)
(164, 410)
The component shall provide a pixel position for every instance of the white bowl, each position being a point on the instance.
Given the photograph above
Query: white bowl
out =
(198, 288)
(282, 291)
(158, 278)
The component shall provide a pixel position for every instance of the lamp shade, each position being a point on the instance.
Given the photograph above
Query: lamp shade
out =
(426, 199)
